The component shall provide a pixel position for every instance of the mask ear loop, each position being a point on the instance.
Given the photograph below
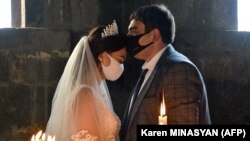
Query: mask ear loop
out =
(145, 34)
(101, 59)
(112, 58)
(144, 46)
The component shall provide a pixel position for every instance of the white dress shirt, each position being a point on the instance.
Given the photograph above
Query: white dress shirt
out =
(150, 65)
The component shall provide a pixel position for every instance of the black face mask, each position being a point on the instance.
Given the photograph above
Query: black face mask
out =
(133, 46)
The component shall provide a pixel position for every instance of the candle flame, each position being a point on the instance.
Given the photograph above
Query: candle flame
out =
(42, 136)
(38, 135)
(163, 107)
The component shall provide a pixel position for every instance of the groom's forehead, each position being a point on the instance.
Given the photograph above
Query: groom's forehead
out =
(136, 26)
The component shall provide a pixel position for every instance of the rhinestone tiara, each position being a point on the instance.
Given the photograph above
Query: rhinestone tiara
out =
(110, 30)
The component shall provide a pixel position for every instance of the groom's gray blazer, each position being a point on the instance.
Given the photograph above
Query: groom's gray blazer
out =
(184, 90)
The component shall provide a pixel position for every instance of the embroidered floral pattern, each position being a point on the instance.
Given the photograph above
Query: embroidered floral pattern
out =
(83, 136)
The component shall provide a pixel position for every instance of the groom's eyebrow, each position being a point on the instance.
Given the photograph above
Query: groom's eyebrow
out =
(132, 28)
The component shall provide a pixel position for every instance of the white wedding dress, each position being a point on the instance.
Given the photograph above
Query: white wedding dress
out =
(107, 121)
(81, 108)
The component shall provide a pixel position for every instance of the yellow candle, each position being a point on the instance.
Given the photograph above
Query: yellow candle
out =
(163, 118)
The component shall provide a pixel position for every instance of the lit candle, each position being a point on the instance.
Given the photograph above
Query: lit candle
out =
(163, 118)
(50, 138)
(38, 136)
(41, 137)
(33, 138)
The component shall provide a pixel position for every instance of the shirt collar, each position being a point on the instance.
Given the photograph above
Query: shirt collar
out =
(152, 62)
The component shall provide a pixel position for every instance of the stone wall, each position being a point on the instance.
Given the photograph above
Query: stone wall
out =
(31, 63)
(223, 58)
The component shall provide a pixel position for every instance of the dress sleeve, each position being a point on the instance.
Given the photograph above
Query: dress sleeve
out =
(86, 119)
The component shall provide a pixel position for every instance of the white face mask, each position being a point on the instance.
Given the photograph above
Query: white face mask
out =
(114, 70)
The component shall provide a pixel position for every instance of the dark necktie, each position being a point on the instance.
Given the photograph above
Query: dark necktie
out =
(132, 100)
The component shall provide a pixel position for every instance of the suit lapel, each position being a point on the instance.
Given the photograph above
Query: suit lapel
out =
(141, 96)
(147, 85)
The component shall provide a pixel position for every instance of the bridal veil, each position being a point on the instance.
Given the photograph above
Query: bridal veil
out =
(80, 71)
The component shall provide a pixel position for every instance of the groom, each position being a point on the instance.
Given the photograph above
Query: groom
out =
(152, 30)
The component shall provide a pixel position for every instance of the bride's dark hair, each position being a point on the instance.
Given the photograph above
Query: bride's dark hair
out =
(99, 44)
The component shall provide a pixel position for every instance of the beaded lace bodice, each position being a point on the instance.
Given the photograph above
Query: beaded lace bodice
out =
(109, 122)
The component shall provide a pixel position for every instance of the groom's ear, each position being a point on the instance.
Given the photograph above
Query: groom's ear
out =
(156, 34)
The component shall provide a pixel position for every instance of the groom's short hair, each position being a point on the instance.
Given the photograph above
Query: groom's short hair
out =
(157, 16)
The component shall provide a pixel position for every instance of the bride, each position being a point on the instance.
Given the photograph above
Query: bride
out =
(81, 108)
